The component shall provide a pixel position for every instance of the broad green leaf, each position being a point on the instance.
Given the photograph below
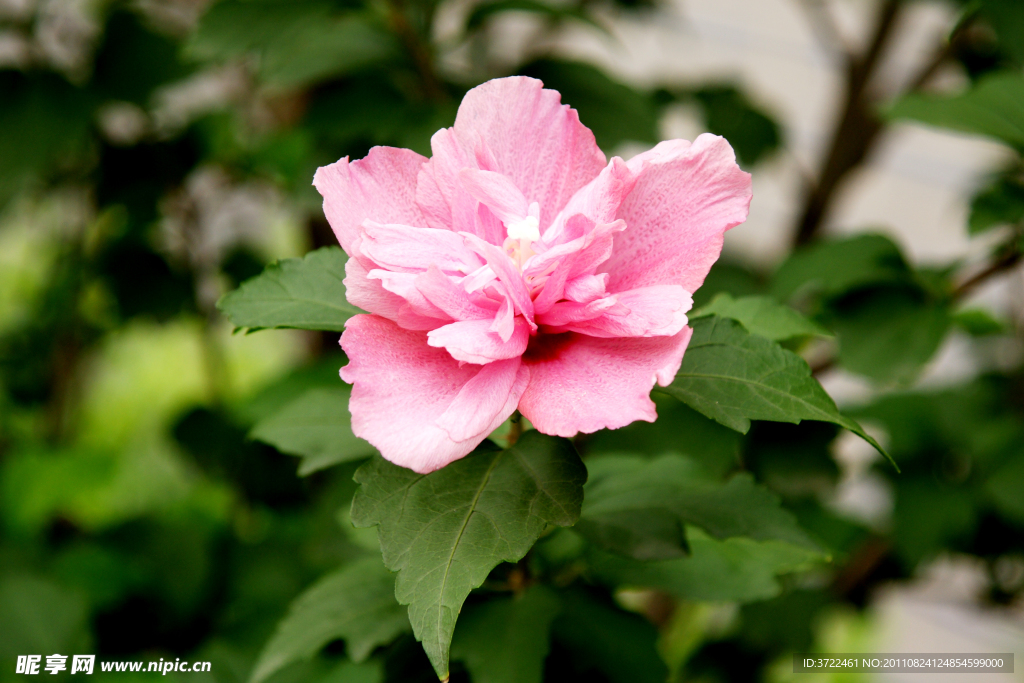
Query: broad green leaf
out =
(40, 617)
(727, 112)
(888, 333)
(306, 293)
(1005, 488)
(639, 507)
(298, 42)
(45, 122)
(734, 569)
(978, 322)
(1007, 19)
(275, 396)
(762, 315)
(1001, 203)
(321, 49)
(994, 108)
(505, 640)
(602, 639)
(355, 672)
(837, 266)
(486, 10)
(317, 427)
(613, 111)
(355, 603)
(443, 532)
(678, 429)
(734, 377)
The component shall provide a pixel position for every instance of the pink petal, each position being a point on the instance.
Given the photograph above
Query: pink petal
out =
(598, 200)
(484, 402)
(514, 127)
(472, 341)
(380, 187)
(417, 405)
(684, 200)
(452, 298)
(586, 288)
(415, 304)
(507, 274)
(406, 249)
(656, 311)
(574, 258)
(569, 312)
(497, 192)
(370, 295)
(583, 384)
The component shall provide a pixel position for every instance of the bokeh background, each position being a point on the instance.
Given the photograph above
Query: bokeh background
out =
(156, 153)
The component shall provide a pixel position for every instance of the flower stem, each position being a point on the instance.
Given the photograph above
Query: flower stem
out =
(515, 429)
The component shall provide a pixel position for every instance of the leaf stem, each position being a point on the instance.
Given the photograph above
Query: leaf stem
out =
(515, 429)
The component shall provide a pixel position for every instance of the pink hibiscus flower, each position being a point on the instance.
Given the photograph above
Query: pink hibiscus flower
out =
(515, 268)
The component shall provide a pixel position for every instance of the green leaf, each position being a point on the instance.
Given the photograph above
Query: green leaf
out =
(355, 672)
(620, 646)
(762, 315)
(613, 111)
(317, 427)
(639, 507)
(306, 293)
(299, 42)
(678, 429)
(1001, 203)
(837, 266)
(978, 322)
(727, 112)
(321, 49)
(40, 617)
(355, 603)
(484, 11)
(505, 640)
(45, 122)
(994, 108)
(733, 376)
(734, 569)
(443, 532)
(1004, 489)
(888, 333)
(1007, 19)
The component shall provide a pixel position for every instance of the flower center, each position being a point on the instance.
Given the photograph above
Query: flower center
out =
(522, 233)
(521, 236)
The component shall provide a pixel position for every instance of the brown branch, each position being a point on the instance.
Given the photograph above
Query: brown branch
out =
(418, 51)
(1005, 261)
(857, 129)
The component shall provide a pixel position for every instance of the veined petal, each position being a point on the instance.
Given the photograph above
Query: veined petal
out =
(685, 198)
(656, 311)
(451, 298)
(582, 384)
(473, 341)
(508, 275)
(497, 192)
(380, 187)
(417, 405)
(517, 128)
(598, 200)
(406, 249)
(369, 294)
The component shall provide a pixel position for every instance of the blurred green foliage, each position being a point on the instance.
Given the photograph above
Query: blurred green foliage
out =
(150, 499)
